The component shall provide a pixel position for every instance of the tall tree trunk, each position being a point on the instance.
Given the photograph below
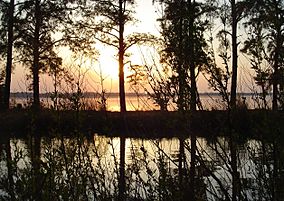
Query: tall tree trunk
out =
(193, 135)
(233, 101)
(193, 87)
(234, 55)
(9, 55)
(35, 144)
(121, 56)
(180, 67)
(276, 186)
(275, 78)
(35, 70)
(181, 97)
(122, 188)
(193, 91)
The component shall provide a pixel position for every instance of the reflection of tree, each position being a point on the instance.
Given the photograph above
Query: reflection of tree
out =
(80, 168)
(216, 168)
(10, 170)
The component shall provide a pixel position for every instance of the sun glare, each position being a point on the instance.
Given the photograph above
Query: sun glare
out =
(107, 64)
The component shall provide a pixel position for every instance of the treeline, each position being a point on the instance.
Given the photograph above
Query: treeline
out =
(198, 38)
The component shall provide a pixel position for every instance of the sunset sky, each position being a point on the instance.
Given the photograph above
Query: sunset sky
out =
(147, 14)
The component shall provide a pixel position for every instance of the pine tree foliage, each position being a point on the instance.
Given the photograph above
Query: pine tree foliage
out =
(38, 22)
(265, 45)
(183, 26)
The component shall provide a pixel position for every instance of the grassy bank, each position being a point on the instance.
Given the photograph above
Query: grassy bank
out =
(148, 124)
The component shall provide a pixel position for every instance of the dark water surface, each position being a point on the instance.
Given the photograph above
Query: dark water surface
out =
(77, 168)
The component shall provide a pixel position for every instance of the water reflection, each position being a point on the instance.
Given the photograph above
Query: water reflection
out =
(78, 168)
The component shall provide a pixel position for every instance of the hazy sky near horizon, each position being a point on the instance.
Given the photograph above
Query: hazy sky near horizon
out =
(147, 15)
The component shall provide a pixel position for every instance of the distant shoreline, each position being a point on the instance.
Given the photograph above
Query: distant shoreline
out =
(114, 94)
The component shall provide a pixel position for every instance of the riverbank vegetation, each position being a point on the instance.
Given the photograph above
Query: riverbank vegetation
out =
(249, 124)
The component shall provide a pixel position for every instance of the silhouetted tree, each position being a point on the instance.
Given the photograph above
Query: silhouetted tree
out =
(234, 54)
(267, 18)
(230, 14)
(237, 8)
(254, 47)
(266, 42)
(8, 20)
(219, 74)
(182, 28)
(110, 30)
(117, 15)
(234, 98)
(39, 21)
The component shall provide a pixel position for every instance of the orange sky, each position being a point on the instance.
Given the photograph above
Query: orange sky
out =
(147, 16)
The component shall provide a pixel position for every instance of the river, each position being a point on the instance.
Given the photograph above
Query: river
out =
(87, 168)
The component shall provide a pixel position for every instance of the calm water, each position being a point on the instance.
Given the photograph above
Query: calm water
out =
(77, 168)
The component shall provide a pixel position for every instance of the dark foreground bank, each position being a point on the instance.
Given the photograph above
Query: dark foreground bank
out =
(147, 124)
